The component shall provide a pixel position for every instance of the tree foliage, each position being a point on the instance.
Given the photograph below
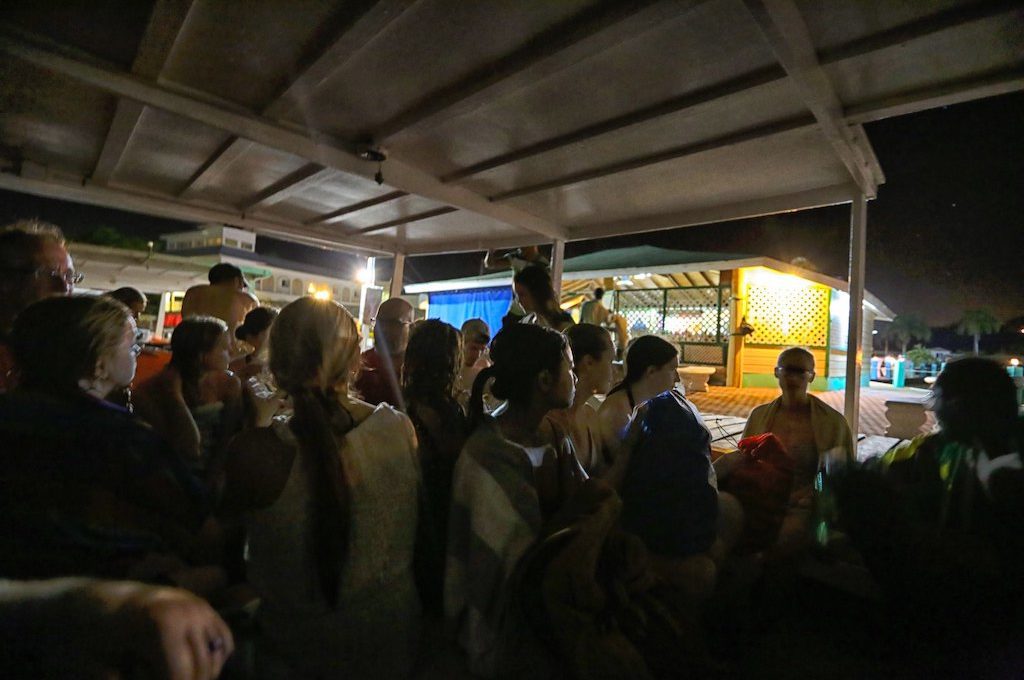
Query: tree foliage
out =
(976, 323)
(113, 238)
(907, 327)
(920, 356)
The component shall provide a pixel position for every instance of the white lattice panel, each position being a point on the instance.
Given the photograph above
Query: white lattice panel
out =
(788, 316)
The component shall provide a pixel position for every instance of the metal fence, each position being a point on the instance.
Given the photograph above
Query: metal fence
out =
(697, 318)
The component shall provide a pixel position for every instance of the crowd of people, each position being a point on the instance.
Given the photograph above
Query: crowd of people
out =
(452, 504)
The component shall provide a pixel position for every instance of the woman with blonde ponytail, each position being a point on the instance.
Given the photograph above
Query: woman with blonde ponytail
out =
(330, 502)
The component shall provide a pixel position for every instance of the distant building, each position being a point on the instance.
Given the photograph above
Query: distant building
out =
(188, 256)
(276, 281)
(730, 311)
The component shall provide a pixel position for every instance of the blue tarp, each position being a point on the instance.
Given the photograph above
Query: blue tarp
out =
(455, 307)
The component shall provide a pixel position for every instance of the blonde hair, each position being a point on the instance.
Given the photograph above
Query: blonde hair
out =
(314, 351)
(59, 340)
(313, 343)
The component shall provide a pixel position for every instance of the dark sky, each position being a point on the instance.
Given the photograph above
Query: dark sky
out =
(946, 232)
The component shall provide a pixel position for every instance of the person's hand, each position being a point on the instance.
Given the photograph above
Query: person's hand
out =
(168, 632)
(726, 463)
(110, 629)
(266, 407)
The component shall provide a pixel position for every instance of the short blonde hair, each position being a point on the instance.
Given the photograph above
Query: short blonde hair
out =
(59, 340)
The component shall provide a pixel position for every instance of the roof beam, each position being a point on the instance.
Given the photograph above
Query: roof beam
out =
(437, 212)
(305, 177)
(675, 153)
(76, 189)
(354, 35)
(590, 32)
(855, 48)
(165, 24)
(352, 38)
(803, 200)
(920, 28)
(232, 119)
(356, 207)
(787, 35)
(945, 94)
(674, 105)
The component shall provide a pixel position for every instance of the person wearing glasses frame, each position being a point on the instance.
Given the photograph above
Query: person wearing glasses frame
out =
(811, 431)
(34, 264)
(380, 376)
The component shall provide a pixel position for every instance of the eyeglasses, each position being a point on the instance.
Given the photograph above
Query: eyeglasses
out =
(69, 276)
(136, 349)
(793, 370)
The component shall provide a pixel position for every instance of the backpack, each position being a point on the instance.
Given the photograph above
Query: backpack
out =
(669, 494)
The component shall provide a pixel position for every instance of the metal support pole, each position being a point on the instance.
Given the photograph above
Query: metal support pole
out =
(855, 341)
(396, 277)
(557, 265)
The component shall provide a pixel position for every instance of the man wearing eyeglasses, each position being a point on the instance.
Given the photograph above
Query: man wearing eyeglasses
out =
(34, 264)
(380, 379)
(809, 429)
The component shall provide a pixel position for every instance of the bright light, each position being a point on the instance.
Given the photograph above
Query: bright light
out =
(874, 332)
(311, 289)
(1015, 361)
(762, 276)
(364, 276)
(322, 295)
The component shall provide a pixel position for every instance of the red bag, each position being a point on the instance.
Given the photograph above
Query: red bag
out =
(762, 483)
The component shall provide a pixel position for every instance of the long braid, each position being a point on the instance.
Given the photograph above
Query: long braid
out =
(317, 434)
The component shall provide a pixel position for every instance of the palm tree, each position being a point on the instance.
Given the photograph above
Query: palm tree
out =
(907, 327)
(976, 323)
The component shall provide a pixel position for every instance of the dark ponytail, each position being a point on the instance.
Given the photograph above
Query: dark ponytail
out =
(476, 396)
(316, 427)
(644, 352)
(519, 352)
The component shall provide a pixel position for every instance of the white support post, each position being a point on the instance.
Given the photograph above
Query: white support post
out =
(854, 343)
(161, 314)
(557, 265)
(396, 277)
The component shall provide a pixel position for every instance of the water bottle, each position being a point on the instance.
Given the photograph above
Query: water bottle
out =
(824, 498)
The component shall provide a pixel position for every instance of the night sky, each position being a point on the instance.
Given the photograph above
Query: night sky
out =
(945, 234)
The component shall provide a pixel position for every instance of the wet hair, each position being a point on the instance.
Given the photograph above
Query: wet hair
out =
(537, 281)
(314, 349)
(256, 321)
(127, 296)
(19, 243)
(433, 360)
(59, 340)
(191, 339)
(986, 398)
(520, 352)
(645, 352)
(587, 339)
(224, 271)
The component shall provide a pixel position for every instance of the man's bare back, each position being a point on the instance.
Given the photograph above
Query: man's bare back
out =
(225, 303)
